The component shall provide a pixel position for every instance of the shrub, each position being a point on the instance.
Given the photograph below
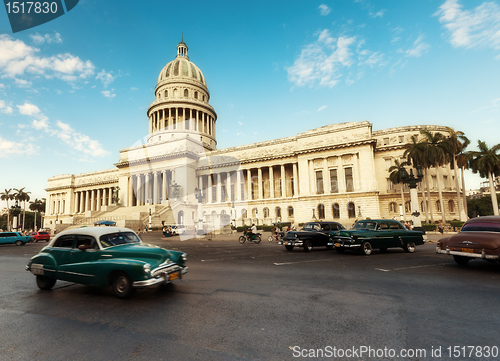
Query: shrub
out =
(429, 227)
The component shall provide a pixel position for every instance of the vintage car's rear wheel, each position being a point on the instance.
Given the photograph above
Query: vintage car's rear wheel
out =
(409, 247)
(366, 248)
(308, 246)
(19, 243)
(122, 286)
(242, 239)
(340, 249)
(44, 282)
(461, 260)
(257, 239)
(289, 248)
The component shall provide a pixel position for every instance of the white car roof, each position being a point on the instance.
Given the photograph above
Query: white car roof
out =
(92, 231)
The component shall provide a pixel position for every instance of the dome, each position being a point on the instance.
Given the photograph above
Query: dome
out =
(181, 68)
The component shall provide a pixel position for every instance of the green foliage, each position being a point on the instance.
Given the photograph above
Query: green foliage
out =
(456, 224)
(429, 227)
(480, 206)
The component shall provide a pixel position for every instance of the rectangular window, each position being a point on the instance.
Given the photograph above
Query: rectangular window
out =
(334, 184)
(319, 182)
(390, 185)
(388, 163)
(445, 181)
(386, 141)
(349, 184)
(434, 182)
(401, 138)
(223, 195)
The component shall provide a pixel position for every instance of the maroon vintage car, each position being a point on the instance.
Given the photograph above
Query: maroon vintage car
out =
(478, 238)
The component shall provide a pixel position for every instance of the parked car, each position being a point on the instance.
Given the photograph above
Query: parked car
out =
(313, 234)
(381, 234)
(15, 238)
(479, 238)
(40, 236)
(178, 229)
(106, 256)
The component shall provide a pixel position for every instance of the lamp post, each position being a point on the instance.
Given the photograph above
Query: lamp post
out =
(412, 182)
(15, 210)
(199, 195)
(149, 220)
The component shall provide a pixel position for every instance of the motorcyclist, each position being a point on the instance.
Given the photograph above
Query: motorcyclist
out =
(253, 229)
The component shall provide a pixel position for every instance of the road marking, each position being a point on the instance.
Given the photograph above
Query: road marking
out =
(383, 270)
(403, 268)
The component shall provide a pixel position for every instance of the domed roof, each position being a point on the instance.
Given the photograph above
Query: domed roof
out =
(181, 68)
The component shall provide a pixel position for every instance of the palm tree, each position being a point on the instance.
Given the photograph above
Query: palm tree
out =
(486, 162)
(37, 206)
(395, 178)
(414, 154)
(24, 197)
(436, 153)
(6, 196)
(462, 162)
(457, 143)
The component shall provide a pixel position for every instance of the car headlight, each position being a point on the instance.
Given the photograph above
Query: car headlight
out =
(146, 268)
(184, 257)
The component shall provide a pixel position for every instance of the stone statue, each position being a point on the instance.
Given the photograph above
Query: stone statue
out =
(115, 195)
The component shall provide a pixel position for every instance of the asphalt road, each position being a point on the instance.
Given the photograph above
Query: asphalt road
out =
(258, 302)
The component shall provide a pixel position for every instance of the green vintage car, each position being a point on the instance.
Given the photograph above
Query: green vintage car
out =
(106, 256)
(379, 234)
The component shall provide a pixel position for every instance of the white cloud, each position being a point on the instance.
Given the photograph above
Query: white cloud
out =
(18, 59)
(419, 48)
(39, 39)
(322, 108)
(9, 148)
(4, 108)
(40, 124)
(324, 9)
(108, 94)
(29, 109)
(105, 78)
(478, 28)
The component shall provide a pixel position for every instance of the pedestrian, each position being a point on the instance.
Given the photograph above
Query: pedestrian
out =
(139, 229)
(407, 225)
(441, 227)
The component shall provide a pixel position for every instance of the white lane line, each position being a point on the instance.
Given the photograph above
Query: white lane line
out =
(383, 270)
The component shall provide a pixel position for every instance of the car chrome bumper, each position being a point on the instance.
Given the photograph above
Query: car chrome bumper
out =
(345, 244)
(482, 255)
(294, 243)
(163, 276)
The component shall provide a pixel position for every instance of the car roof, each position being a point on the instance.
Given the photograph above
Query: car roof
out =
(493, 219)
(93, 231)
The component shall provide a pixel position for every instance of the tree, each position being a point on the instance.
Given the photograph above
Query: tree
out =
(6, 196)
(457, 143)
(24, 197)
(486, 162)
(436, 153)
(414, 153)
(395, 177)
(37, 206)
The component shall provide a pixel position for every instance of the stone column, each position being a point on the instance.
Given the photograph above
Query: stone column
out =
(155, 188)
(283, 182)
(164, 184)
(98, 203)
(249, 184)
(92, 200)
(130, 197)
(80, 204)
(146, 188)
(295, 180)
(237, 196)
(271, 182)
(259, 185)
(219, 186)
(209, 189)
(228, 186)
(138, 191)
(326, 178)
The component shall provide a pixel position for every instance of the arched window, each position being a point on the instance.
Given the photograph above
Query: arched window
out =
(175, 93)
(244, 213)
(451, 206)
(351, 210)
(196, 95)
(180, 217)
(255, 212)
(336, 210)
(422, 205)
(278, 212)
(438, 206)
(392, 207)
(408, 207)
(185, 93)
(266, 212)
(166, 93)
(290, 211)
(321, 211)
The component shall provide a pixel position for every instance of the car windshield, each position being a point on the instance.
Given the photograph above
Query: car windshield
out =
(312, 227)
(481, 227)
(114, 239)
(365, 225)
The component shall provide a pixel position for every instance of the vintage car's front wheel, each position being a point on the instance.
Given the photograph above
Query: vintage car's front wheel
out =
(289, 248)
(409, 247)
(44, 282)
(461, 260)
(308, 246)
(366, 248)
(122, 286)
(242, 239)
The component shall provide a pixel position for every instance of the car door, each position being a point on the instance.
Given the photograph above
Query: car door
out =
(82, 262)
(3, 238)
(384, 236)
(61, 251)
(398, 233)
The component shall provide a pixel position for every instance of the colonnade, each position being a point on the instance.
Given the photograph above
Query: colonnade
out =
(57, 203)
(149, 188)
(182, 118)
(92, 199)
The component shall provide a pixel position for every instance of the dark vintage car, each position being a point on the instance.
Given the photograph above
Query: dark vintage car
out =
(14, 238)
(106, 256)
(313, 234)
(379, 234)
(479, 238)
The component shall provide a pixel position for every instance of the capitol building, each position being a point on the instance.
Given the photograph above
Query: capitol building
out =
(177, 175)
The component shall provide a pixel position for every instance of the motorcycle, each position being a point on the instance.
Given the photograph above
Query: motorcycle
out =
(250, 237)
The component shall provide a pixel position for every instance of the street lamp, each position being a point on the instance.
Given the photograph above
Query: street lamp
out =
(412, 182)
(15, 210)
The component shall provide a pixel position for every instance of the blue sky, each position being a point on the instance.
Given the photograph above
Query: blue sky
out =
(74, 91)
